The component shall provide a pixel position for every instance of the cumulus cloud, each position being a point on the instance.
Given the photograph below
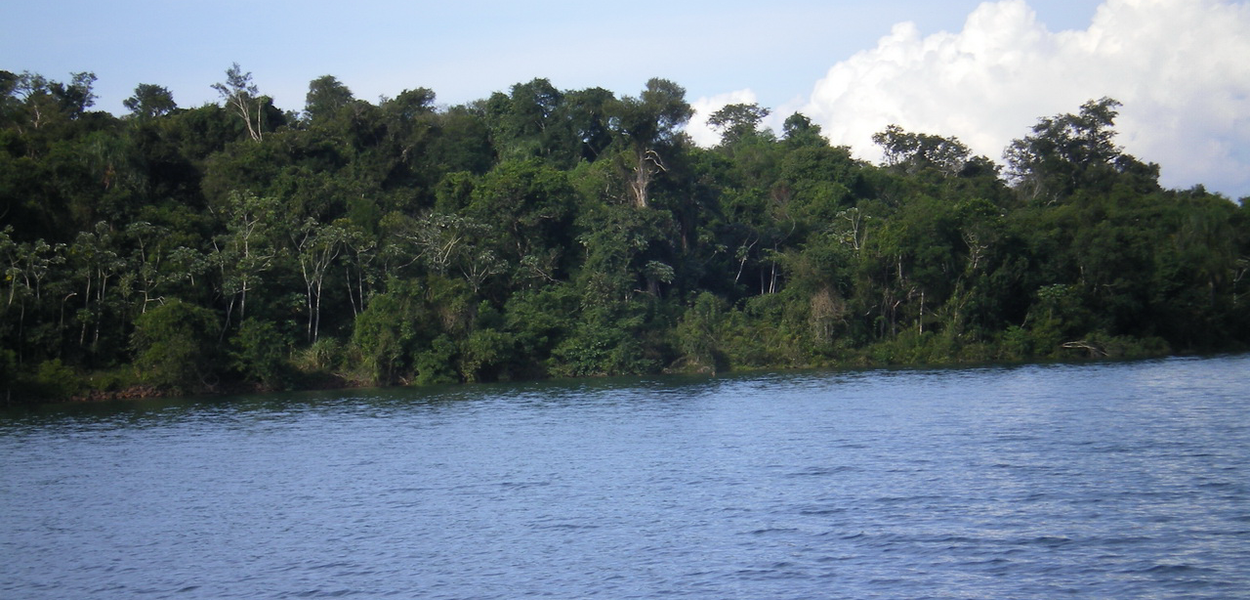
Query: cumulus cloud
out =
(1178, 66)
(698, 129)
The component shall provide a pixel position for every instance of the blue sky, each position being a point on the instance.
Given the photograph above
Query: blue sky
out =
(787, 55)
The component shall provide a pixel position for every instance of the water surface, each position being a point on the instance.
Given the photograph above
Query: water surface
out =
(1113, 480)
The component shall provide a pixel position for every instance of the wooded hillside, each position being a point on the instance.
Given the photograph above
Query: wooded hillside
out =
(548, 232)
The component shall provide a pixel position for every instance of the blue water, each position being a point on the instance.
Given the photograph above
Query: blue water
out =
(1115, 480)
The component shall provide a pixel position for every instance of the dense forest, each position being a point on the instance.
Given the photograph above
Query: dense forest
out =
(551, 233)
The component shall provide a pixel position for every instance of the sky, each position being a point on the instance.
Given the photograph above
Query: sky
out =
(983, 72)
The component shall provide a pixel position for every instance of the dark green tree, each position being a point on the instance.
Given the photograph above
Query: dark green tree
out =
(176, 347)
(737, 121)
(150, 101)
(799, 130)
(914, 152)
(326, 97)
(1067, 153)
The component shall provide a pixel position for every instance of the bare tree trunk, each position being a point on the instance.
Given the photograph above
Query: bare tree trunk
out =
(922, 312)
(649, 164)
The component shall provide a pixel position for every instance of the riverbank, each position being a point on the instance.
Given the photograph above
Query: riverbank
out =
(53, 383)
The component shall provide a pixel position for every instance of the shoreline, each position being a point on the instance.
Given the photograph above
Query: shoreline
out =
(337, 382)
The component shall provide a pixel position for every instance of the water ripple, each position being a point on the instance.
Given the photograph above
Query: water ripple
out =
(1083, 481)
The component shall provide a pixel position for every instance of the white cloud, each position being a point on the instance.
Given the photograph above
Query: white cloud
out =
(1178, 66)
(698, 129)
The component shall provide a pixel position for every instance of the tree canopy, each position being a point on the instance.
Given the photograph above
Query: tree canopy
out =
(544, 232)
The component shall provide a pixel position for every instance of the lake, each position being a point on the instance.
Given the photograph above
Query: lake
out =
(1100, 480)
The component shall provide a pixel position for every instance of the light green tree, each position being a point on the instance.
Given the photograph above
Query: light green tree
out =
(242, 97)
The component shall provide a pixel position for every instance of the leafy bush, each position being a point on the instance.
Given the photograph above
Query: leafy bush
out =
(436, 365)
(176, 347)
(56, 380)
(259, 353)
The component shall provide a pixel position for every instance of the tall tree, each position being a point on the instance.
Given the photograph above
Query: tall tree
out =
(799, 130)
(243, 97)
(248, 249)
(528, 125)
(1069, 152)
(651, 126)
(326, 96)
(316, 247)
(914, 152)
(736, 121)
(46, 101)
(150, 101)
(586, 114)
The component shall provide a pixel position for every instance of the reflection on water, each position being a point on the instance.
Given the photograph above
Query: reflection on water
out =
(1091, 481)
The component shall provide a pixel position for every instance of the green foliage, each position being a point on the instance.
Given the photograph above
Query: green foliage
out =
(176, 347)
(601, 347)
(387, 331)
(530, 209)
(545, 232)
(737, 122)
(916, 152)
(435, 364)
(150, 101)
(326, 97)
(259, 352)
(242, 97)
(699, 335)
(649, 130)
(55, 380)
(539, 319)
(1070, 153)
(486, 354)
(323, 356)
